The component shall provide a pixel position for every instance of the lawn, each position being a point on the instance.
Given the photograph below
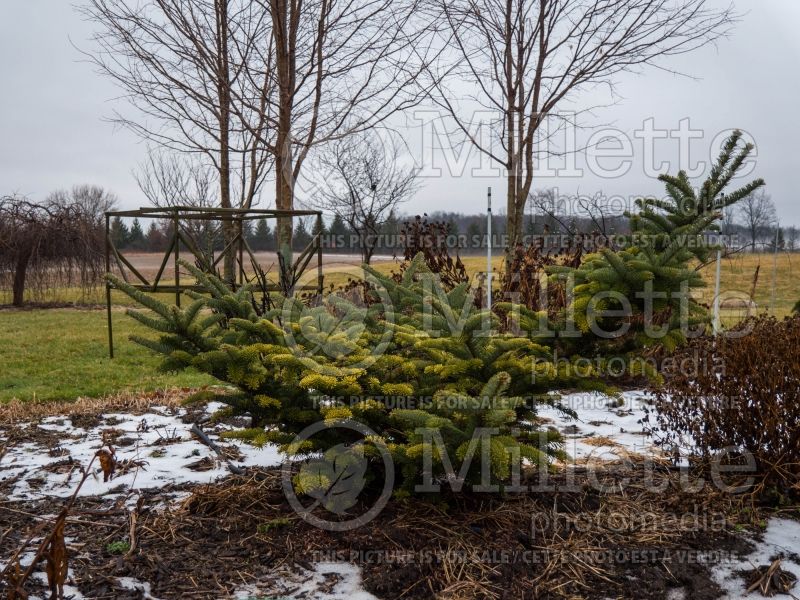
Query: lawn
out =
(55, 354)
(52, 354)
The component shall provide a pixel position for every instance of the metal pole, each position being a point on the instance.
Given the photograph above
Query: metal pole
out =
(489, 250)
(241, 251)
(716, 325)
(319, 255)
(177, 258)
(108, 289)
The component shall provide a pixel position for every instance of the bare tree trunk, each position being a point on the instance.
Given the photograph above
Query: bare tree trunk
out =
(284, 27)
(18, 289)
(224, 95)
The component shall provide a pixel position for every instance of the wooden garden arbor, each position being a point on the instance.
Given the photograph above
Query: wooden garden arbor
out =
(181, 240)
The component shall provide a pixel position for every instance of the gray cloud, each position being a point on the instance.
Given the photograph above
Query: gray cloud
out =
(53, 133)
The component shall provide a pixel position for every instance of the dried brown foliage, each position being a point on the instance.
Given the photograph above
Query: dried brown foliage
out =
(135, 402)
(742, 391)
(524, 279)
(108, 462)
(52, 549)
(431, 239)
(771, 579)
(57, 561)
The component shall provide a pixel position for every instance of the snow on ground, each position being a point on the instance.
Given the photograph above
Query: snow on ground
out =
(780, 540)
(606, 429)
(327, 581)
(152, 450)
(160, 446)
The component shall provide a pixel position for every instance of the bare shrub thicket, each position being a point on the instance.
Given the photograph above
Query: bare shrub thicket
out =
(742, 393)
(50, 245)
(431, 239)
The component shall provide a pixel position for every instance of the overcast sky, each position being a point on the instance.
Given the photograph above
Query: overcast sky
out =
(53, 133)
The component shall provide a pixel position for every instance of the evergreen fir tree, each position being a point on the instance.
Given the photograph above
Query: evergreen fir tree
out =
(262, 237)
(136, 238)
(339, 233)
(247, 230)
(301, 238)
(292, 366)
(119, 232)
(391, 226)
(474, 236)
(318, 227)
(666, 235)
(155, 240)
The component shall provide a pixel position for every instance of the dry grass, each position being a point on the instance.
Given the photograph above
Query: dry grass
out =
(17, 411)
(599, 440)
(736, 280)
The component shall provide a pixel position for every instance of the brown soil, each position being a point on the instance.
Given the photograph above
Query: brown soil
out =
(234, 533)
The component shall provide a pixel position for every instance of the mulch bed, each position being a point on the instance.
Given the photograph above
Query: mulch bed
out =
(571, 541)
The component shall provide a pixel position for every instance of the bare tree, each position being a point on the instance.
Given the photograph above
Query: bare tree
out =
(552, 207)
(180, 64)
(758, 214)
(340, 67)
(91, 201)
(169, 179)
(363, 181)
(251, 79)
(526, 58)
(52, 244)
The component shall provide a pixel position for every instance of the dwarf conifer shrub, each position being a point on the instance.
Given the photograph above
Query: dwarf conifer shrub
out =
(739, 393)
(422, 367)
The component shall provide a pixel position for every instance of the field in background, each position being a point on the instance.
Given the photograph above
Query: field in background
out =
(62, 353)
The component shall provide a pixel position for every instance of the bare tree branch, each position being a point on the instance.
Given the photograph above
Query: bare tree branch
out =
(525, 58)
(363, 181)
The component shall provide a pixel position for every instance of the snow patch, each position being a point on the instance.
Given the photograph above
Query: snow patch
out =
(130, 583)
(780, 540)
(157, 447)
(606, 428)
(327, 581)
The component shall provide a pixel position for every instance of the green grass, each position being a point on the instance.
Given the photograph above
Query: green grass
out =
(61, 354)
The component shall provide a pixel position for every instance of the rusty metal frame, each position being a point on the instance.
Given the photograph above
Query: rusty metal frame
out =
(236, 247)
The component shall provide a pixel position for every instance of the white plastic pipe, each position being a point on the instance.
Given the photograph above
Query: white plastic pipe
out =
(774, 270)
(716, 324)
(489, 251)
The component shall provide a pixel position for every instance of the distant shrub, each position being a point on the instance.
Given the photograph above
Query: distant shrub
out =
(742, 392)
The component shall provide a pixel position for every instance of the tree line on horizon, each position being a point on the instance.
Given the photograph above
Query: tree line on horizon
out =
(466, 233)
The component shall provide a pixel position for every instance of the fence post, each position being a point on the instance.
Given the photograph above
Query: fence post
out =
(108, 288)
(177, 258)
